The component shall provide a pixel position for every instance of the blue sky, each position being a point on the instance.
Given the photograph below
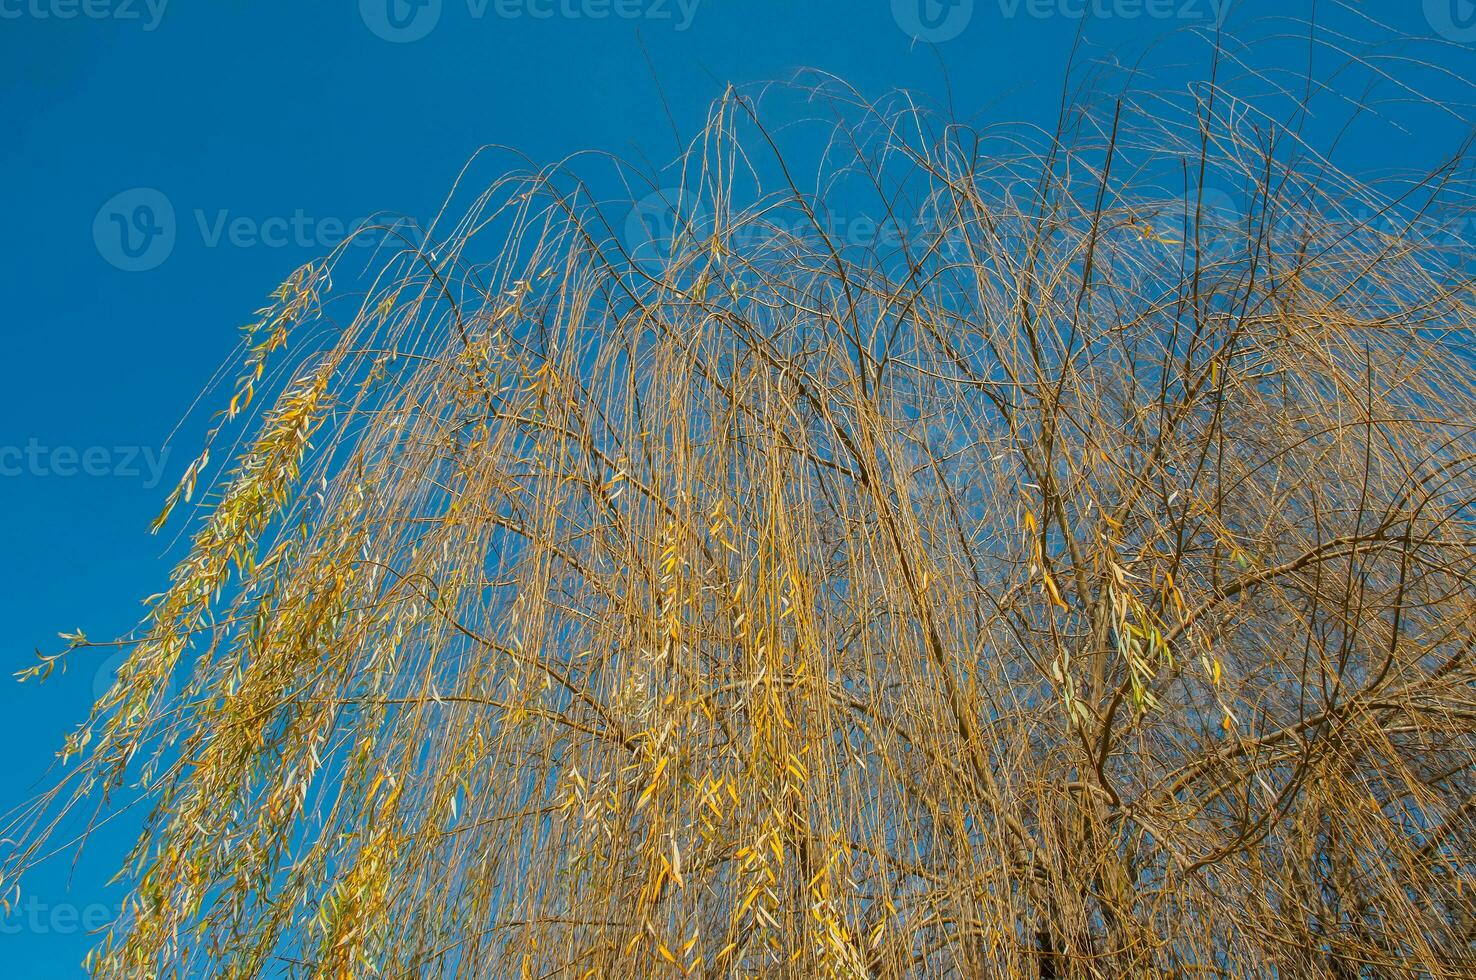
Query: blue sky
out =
(167, 163)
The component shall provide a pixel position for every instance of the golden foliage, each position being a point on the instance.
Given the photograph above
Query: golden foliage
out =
(1035, 597)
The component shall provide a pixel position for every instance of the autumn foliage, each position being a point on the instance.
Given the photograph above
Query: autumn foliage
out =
(1077, 583)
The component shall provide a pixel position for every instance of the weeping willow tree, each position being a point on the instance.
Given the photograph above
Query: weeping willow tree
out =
(1078, 580)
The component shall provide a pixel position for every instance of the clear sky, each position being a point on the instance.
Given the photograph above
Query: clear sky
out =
(166, 163)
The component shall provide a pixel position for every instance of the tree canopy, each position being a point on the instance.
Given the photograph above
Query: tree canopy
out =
(1072, 576)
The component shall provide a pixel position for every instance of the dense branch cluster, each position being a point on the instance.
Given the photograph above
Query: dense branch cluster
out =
(1080, 581)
